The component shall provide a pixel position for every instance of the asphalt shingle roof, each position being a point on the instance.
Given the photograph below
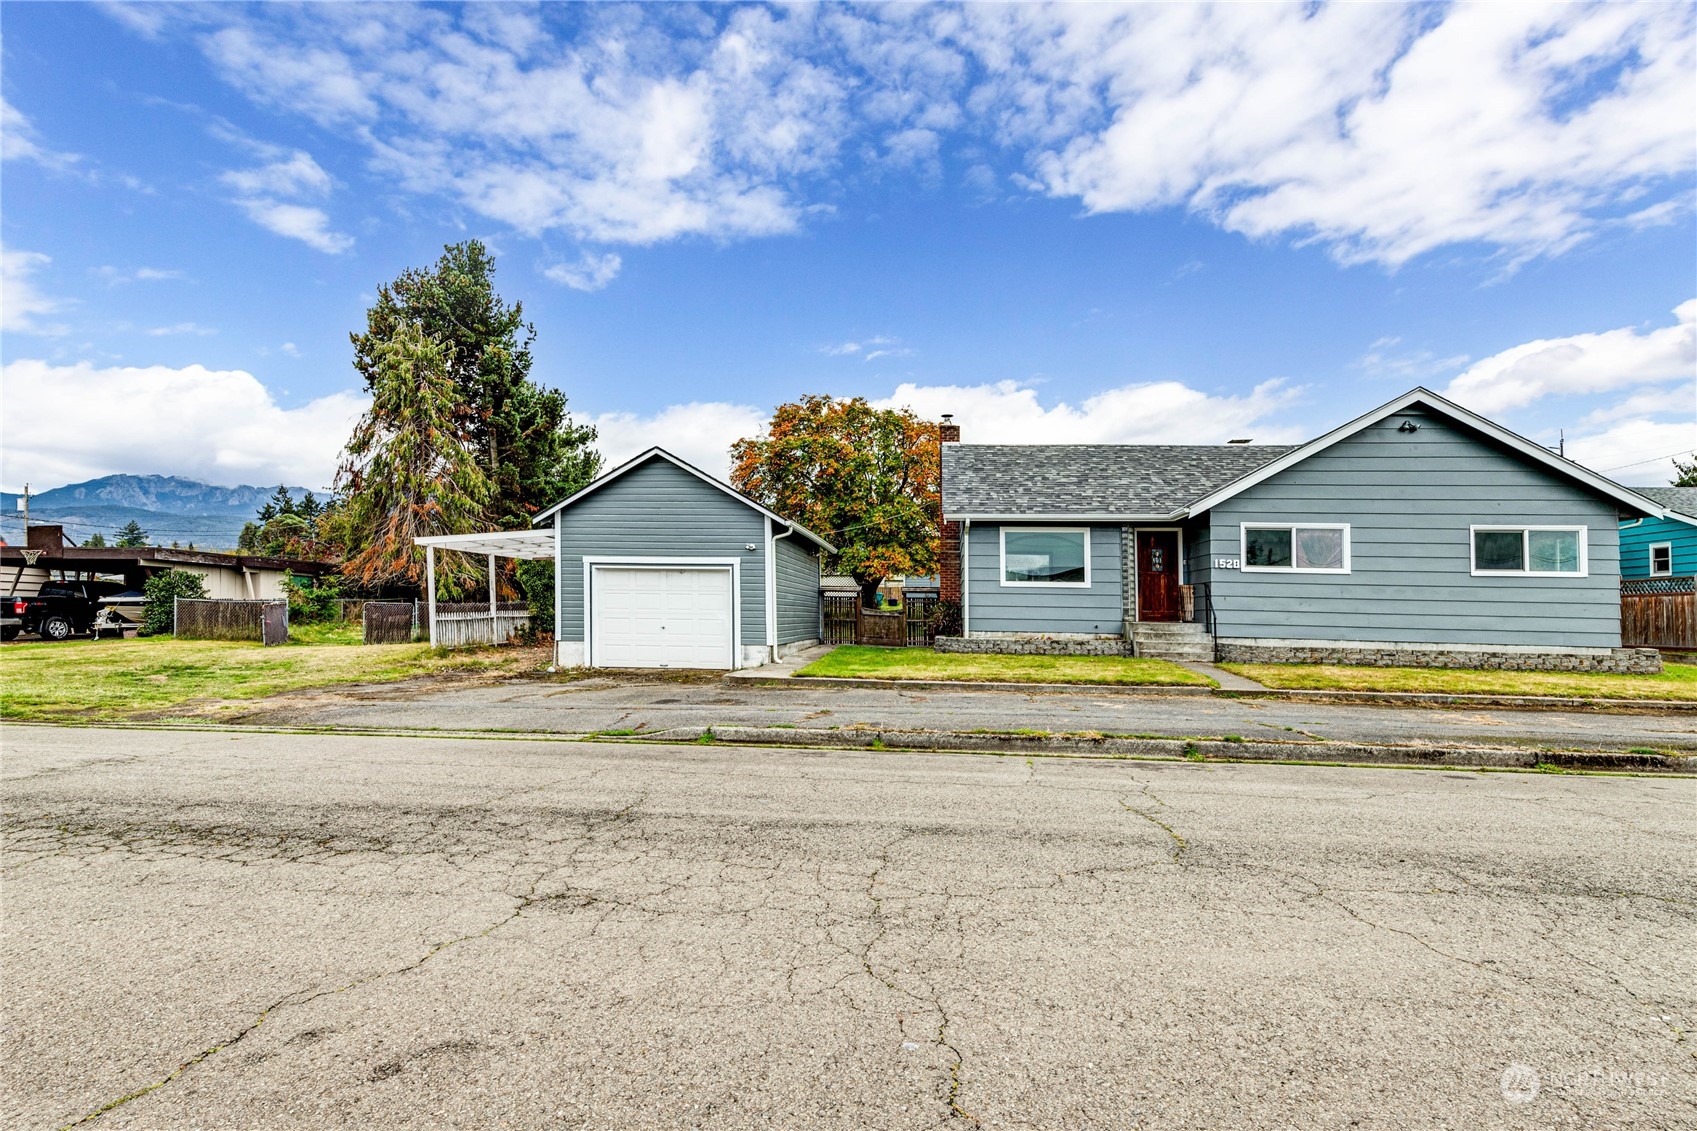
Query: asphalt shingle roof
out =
(1092, 479)
(1681, 499)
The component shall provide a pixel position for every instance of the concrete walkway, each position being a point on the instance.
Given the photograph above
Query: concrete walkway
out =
(1228, 681)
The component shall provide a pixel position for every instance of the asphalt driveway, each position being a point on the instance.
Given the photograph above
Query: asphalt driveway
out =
(222, 930)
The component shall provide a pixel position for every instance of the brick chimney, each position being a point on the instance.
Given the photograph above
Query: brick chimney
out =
(948, 552)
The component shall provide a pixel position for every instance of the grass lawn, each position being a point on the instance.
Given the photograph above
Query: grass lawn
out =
(857, 661)
(115, 679)
(1677, 681)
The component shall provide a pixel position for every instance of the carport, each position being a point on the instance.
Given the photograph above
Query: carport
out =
(521, 544)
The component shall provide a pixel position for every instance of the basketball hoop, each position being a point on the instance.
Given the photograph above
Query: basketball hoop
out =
(32, 556)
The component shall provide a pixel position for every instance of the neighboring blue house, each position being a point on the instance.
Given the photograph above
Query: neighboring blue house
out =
(659, 565)
(1661, 547)
(1420, 533)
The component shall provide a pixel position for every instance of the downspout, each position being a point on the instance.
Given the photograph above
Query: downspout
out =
(965, 579)
(772, 586)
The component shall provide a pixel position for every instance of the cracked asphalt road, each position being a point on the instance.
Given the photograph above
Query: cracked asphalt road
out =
(218, 930)
(607, 703)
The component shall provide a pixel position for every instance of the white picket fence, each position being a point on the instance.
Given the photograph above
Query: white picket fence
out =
(462, 623)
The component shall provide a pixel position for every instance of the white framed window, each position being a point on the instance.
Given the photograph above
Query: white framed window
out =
(1295, 547)
(1661, 559)
(1048, 556)
(1529, 551)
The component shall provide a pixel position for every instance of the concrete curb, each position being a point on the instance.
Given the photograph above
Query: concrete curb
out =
(1205, 749)
(1369, 698)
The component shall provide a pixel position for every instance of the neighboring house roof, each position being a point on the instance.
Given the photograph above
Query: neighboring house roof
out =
(1126, 482)
(1091, 481)
(1681, 502)
(103, 558)
(661, 453)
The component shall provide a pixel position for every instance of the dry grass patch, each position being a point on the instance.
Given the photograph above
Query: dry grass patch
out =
(115, 679)
(1677, 681)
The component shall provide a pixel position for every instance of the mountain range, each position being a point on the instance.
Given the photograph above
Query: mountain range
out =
(169, 507)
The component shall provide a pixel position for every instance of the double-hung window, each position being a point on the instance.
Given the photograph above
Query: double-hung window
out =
(1661, 559)
(1527, 551)
(1045, 556)
(1300, 547)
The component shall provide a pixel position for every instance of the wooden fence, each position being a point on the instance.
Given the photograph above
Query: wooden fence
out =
(843, 621)
(462, 623)
(1659, 612)
(194, 618)
(389, 622)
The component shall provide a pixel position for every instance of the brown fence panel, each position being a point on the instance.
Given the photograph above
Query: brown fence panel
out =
(388, 622)
(921, 625)
(1659, 619)
(205, 619)
(838, 616)
(883, 630)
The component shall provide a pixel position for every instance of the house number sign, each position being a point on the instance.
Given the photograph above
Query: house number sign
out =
(1227, 563)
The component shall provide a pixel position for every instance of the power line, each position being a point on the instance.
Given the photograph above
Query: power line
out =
(1652, 459)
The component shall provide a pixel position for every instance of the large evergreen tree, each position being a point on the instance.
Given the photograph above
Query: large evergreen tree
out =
(525, 442)
(409, 470)
(131, 535)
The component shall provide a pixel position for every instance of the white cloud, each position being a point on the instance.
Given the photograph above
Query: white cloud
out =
(1160, 412)
(589, 273)
(1582, 363)
(1003, 413)
(114, 277)
(263, 193)
(1636, 452)
(221, 426)
(19, 141)
(20, 303)
(179, 328)
(700, 433)
(1380, 131)
(1405, 365)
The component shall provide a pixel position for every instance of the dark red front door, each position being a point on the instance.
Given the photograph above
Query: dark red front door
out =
(1158, 595)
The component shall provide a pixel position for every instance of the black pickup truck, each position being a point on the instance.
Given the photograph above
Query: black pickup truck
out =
(59, 611)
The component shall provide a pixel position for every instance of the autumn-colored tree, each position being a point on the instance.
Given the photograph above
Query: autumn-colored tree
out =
(867, 479)
(408, 471)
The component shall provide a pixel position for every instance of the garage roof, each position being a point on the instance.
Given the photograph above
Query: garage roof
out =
(661, 453)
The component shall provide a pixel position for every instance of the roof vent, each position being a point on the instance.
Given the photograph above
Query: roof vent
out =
(1237, 441)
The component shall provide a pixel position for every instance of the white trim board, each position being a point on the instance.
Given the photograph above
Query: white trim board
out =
(661, 453)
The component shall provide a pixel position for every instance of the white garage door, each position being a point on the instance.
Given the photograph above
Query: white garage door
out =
(658, 617)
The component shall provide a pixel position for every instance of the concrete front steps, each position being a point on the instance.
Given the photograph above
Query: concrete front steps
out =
(1160, 640)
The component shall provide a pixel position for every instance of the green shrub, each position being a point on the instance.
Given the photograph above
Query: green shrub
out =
(536, 578)
(313, 600)
(162, 590)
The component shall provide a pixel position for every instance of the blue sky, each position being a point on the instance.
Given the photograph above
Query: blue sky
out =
(1087, 223)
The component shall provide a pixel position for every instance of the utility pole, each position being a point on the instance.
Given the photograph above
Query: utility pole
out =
(23, 505)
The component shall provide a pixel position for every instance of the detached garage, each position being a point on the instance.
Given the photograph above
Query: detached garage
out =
(659, 565)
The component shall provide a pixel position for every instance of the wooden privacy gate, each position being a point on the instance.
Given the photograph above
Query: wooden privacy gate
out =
(389, 622)
(911, 626)
(1659, 612)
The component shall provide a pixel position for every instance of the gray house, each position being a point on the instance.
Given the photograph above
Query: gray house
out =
(659, 565)
(1420, 533)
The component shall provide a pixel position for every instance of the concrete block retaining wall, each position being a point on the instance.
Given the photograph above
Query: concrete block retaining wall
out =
(1614, 661)
(1021, 644)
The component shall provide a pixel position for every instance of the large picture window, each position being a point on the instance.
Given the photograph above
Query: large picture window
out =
(1045, 556)
(1318, 547)
(1523, 551)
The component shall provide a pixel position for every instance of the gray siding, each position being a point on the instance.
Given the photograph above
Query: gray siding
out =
(798, 591)
(998, 608)
(660, 511)
(1409, 499)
